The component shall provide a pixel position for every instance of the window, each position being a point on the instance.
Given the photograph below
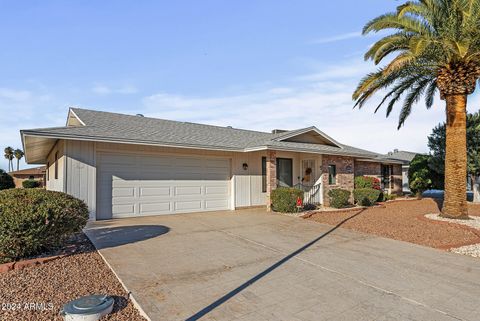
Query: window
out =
(56, 165)
(284, 172)
(31, 177)
(48, 171)
(387, 171)
(264, 174)
(332, 174)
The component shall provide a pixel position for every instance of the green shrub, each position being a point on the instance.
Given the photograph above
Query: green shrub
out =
(366, 196)
(6, 181)
(420, 175)
(284, 199)
(389, 197)
(339, 198)
(367, 182)
(30, 183)
(36, 220)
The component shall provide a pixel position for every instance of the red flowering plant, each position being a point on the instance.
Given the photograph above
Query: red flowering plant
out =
(367, 182)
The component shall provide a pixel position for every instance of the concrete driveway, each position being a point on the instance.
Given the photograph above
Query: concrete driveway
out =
(250, 265)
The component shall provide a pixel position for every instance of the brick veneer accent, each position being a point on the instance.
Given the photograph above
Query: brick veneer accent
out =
(345, 174)
(271, 174)
(368, 169)
(375, 170)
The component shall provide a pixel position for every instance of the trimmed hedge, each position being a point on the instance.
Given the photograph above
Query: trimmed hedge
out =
(284, 199)
(33, 221)
(30, 183)
(366, 196)
(339, 198)
(6, 181)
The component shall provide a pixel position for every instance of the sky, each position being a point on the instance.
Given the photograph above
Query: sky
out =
(257, 65)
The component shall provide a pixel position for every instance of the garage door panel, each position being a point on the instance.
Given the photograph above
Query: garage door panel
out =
(124, 209)
(154, 191)
(216, 190)
(216, 204)
(153, 208)
(188, 191)
(123, 192)
(131, 185)
(188, 205)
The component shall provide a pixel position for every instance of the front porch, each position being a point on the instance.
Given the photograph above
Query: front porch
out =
(317, 174)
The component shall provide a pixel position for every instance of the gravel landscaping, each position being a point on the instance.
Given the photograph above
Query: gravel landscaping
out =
(473, 222)
(39, 292)
(405, 221)
(472, 250)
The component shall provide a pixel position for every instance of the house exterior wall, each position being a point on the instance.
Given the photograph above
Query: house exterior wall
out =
(374, 169)
(81, 172)
(78, 170)
(368, 169)
(56, 184)
(345, 167)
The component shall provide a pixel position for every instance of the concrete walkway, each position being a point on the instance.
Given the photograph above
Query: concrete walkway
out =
(250, 265)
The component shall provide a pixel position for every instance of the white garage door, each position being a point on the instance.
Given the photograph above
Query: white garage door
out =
(134, 185)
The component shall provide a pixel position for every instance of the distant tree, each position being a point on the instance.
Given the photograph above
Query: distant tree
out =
(9, 156)
(419, 174)
(436, 144)
(18, 153)
(6, 181)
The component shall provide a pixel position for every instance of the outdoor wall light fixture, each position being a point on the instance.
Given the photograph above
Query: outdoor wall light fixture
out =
(245, 166)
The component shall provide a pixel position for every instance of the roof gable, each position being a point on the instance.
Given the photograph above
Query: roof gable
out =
(73, 119)
(309, 135)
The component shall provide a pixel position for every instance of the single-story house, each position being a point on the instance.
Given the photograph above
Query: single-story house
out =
(35, 173)
(405, 158)
(130, 165)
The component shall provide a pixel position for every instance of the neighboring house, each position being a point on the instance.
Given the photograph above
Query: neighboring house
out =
(36, 173)
(404, 157)
(123, 165)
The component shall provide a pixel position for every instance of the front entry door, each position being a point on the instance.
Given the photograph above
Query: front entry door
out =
(284, 172)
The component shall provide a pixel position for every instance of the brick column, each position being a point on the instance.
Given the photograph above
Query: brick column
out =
(397, 178)
(271, 174)
(345, 175)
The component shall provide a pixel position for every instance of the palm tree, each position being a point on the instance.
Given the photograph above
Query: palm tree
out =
(18, 153)
(9, 156)
(435, 46)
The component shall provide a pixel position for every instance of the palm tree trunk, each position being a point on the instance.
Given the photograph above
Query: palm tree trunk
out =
(18, 164)
(455, 202)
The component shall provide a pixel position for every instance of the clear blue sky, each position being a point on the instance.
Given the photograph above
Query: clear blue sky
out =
(249, 64)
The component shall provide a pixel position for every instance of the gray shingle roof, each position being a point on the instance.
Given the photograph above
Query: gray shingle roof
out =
(127, 128)
(401, 155)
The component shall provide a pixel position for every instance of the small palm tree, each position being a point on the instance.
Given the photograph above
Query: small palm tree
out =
(9, 156)
(18, 153)
(436, 47)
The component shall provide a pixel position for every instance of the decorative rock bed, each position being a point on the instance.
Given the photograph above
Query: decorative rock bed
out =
(473, 222)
